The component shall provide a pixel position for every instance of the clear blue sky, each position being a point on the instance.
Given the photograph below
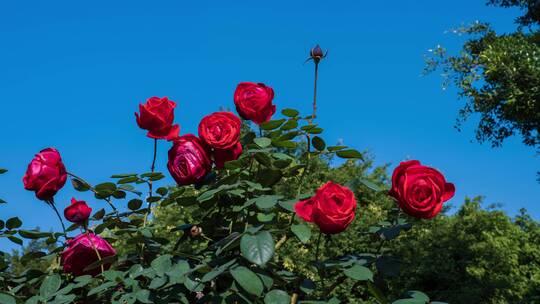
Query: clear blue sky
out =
(72, 74)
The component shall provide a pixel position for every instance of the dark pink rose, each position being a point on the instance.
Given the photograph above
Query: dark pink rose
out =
(46, 174)
(80, 252)
(189, 160)
(254, 101)
(77, 212)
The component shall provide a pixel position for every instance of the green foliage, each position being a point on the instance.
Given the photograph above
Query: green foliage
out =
(499, 77)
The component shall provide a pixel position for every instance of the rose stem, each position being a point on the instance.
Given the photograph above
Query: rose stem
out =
(95, 249)
(152, 168)
(315, 91)
(51, 203)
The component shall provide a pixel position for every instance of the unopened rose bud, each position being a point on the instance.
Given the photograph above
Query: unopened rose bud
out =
(317, 54)
(195, 231)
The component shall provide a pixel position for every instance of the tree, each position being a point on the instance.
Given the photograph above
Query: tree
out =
(498, 75)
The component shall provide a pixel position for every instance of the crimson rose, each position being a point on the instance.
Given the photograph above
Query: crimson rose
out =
(157, 116)
(46, 174)
(420, 190)
(222, 156)
(189, 160)
(254, 101)
(77, 212)
(220, 130)
(332, 208)
(80, 252)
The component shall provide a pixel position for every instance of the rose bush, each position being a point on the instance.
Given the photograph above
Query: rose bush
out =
(230, 248)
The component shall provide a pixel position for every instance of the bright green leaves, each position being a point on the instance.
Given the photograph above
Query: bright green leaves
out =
(248, 280)
(262, 142)
(161, 264)
(277, 296)
(257, 248)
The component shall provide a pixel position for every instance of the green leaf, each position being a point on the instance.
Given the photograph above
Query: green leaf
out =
(99, 214)
(143, 296)
(267, 201)
(409, 301)
(262, 142)
(257, 248)
(105, 187)
(50, 285)
(135, 204)
(289, 125)
(80, 185)
(350, 153)
(162, 191)
(277, 296)
(248, 280)
(2, 171)
(101, 288)
(285, 144)
(359, 273)
(302, 232)
(290, 112)
(127, 180)
(13, 223)
(315, 130)
(162, 264)
(418, 295)
(33, 234)
(209, 276)
(15, 240)
(318, 143)
(288, 205)
(272, 124)
(7, 298)
(123, 175)
(307, 286)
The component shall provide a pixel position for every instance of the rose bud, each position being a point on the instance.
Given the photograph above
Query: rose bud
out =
(195, 231)
(80, 252)
(189, 160)
(77, 212)
(317, 54)
(222, 156)
(157, 116)
(220, 130)
(254, 101)
(332, 208)
(420, 190)
(46, 174)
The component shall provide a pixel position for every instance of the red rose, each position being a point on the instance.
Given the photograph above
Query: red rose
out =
(77, 212)
(220, 130)
(157, 116)
(46, 174)
(254, 101)
(223, 156)
(420, 190)
(189, 160)
(332, 208)
(80, 252)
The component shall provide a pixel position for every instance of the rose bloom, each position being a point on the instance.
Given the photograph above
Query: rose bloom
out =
(46, 174)
(254, 101)
(420, 190)
(77, 212)
(80, 252)
(332, 208)
(189, 160)
(157, 116)
(220, 130)
(223, 156)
